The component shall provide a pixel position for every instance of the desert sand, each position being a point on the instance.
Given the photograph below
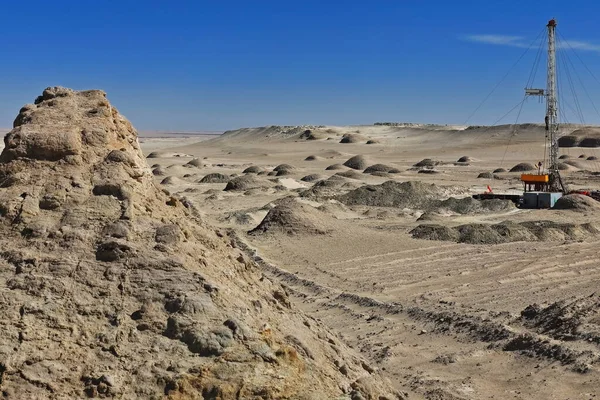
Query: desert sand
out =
(372, 231)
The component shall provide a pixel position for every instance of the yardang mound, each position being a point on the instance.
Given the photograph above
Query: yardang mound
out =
(112, 289)
(293, 218)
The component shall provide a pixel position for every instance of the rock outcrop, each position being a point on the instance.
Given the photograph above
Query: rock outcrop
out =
(113, 289)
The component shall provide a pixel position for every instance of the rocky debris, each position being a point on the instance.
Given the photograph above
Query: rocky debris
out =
(291, 217)
(214, 178)
(115, 290)
(577, 202)
(253, 169)
(469, 205)
(506, 232)
(357, 162)
(429, 171)
(352, 138)
(523, 167)
(335, 167)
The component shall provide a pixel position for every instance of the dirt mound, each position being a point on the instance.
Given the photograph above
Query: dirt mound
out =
(379, 168)
(357, 162)
(291, 217)
(582, 156)
(428, 171)
(563, 166)
(411, 194)
(335, 167)
(485, 175)
(499, 170)
(373, 141)
(113, 289)
(464, 159)
(568, 141)
(253, 169)
(194, 162)
(352, 138)
(326, 188)
(245, 182)
(311, 178)
(427, 162)
(215, 178)
(505, 232)
(577, 202)
(564, 157)
(592, 158)
(523, 167)
(310, 135)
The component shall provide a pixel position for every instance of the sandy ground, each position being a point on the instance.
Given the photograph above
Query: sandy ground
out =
(442, 319)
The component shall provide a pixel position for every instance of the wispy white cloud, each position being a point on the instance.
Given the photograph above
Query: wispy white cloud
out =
(496, 39)
(520, 41)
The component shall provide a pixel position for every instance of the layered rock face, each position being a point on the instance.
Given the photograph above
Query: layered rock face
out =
(113, 289)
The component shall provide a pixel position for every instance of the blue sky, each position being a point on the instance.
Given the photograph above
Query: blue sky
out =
(216, 65)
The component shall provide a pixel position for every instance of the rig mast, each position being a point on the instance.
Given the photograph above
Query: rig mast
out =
(552, 108)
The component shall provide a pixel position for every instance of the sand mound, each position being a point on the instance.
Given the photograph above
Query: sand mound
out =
(582, 156)
(155, 154)
(485, 175)
(563, 166)
(575, 164)
(590, 142)
(357, 162)
(427, 162)
(282, 167)
(284, 172)
(335, 167)
(568, 141)
(469, 205)
(412, 194)
(523, 167)
(592, 158)
(246, 182)
(352, 138)
(291, 217)
(564, 157)
(113, 289)
(253, 169)
(577, 202)
(464, 159)
(373, 141)
(311, 178)
(215, 178)
(350, 174)
(195, 162)
(505, 232)
(158, 171)
(312, 158)
(499, 170)
(379, 168)
(170, 180)
(326, 188)
(310, 135)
